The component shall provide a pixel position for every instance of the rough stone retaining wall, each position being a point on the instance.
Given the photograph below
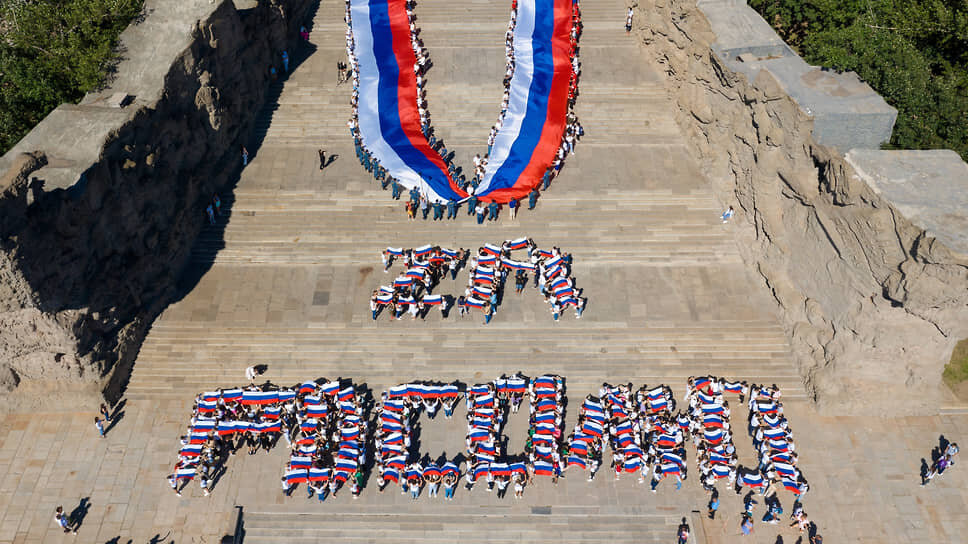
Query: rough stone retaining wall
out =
(100, 204)
(873, 305)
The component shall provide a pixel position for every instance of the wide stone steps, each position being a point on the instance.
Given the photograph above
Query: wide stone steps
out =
(359, 251)
(299, 228)
(179, 358)
(249, 199)
(459, 135)
(463, 134)
(307, 115)
(459, 525)
(606, 96)
(303, 252)
(314, 256)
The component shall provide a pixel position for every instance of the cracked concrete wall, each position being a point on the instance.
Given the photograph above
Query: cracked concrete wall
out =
(872, 304)
(100, 205)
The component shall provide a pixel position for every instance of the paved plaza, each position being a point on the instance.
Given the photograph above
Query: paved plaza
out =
(285, 277)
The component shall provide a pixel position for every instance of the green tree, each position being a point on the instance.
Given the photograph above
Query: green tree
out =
(915, 54)
(54, 51)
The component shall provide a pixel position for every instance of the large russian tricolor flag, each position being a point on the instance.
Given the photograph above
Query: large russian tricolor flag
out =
(535, 121)
(388, 118)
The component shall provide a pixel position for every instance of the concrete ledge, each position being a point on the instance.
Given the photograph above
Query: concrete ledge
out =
(140, 75)
(929, 187)
(847, 113)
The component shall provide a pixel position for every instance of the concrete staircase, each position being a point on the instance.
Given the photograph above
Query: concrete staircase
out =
(460, 525)
(651, 229)
(631, 205)
(180, 360)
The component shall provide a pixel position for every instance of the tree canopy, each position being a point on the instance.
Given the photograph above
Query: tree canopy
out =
(54, 51)
(914, 54)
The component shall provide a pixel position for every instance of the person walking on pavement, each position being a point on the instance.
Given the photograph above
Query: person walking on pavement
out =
(60, 518)
(713, 505)
(950, 453)
(683, 532)
(322, 159)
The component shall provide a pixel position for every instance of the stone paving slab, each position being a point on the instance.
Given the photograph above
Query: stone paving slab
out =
(863, 475)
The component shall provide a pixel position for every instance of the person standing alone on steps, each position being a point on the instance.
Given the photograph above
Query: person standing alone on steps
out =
(322, 159)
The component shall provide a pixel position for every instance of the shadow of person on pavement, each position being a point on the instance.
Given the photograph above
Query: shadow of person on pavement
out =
(77, 515)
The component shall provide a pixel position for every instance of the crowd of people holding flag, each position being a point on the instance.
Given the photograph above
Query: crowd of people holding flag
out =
(546, 418)
(328, 442)
(709, 426)
(412, 292)
(487, 406)
(390, 121)
(399, 408)
(325, 423)
(772, 439)
(551, 270)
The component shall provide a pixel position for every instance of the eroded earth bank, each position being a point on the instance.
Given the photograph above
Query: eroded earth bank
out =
(872, 303)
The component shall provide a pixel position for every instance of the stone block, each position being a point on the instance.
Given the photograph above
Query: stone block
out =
(929, 187)
(847, 112)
